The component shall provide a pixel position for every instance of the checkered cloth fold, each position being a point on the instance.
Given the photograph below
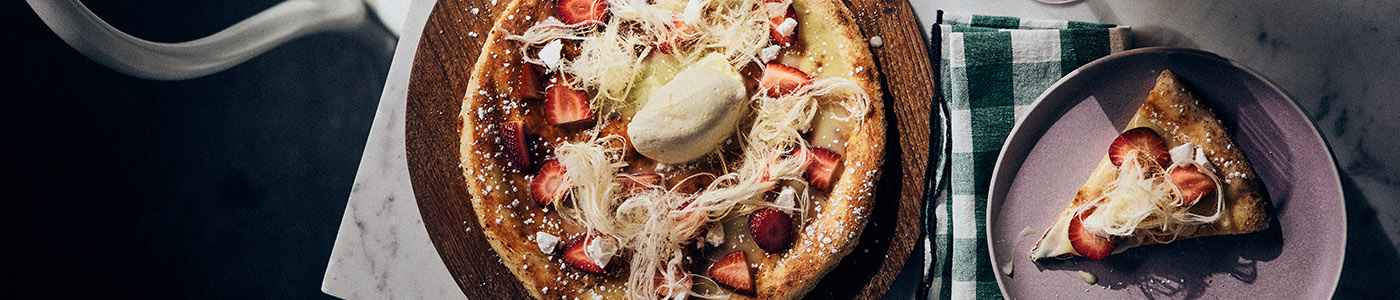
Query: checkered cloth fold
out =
(990, 70)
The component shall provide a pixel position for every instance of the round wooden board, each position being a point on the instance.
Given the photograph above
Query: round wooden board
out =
(449, 46)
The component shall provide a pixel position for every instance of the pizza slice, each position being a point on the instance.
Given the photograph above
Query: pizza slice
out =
(1174, 174)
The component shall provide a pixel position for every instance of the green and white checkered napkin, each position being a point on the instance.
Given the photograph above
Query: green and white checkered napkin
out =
(991, 69)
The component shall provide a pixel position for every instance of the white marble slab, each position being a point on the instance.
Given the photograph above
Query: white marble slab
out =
(382, 250)
(1334, 57)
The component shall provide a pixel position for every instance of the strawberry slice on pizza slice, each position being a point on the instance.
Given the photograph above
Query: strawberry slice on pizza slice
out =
(1174, 174)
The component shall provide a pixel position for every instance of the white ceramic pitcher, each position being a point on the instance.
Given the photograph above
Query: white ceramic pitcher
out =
(94, 38)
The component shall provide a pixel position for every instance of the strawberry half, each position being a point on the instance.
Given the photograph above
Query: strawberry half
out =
(564, 104)
(1148, 144)
(574, 12)
(1086, 243)
(547, 187)
(528, 85)
(821, 166)
(639, 182)
(777, 14)
(772, 229)
(513, 140)
(577, 256)
(732, 271)
(1192, 184)
(780, 79)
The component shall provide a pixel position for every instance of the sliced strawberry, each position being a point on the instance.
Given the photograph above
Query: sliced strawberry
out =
(1192, 183)
(575, 12)
(577, 256)
(821, 166)
(780, 79)
(564, 104)
(1148, 144)
(732, 271)
(777, 14)
(528, 85)
(547, 187)
(772, 229)
(513, 140)
(678, 35)
(639, 182)
(1086, 243)
(686, 282)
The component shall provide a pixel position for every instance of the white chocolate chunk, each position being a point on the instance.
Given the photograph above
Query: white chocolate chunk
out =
(770, 53)
(547, 242)
(1201, 157)
(786, 198)
(550, 54)
(716, 235)
(787, 26)
(601, 250)
(1182, 154)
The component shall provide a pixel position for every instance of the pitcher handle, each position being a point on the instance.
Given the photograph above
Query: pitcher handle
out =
(94, 38)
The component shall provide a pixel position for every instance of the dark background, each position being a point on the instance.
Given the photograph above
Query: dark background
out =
(227, 186)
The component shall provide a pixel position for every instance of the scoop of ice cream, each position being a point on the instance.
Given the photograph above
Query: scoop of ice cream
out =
(690, 115)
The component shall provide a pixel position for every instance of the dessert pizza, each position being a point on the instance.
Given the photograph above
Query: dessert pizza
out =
(1174, 174)
(672, 149)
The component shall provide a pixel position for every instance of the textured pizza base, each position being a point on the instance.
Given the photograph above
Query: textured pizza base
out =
(509, 218)
(1179, 117)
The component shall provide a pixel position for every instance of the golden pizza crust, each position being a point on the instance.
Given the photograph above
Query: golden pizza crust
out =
(1184, 119)
(1179, 117)
(510, 219)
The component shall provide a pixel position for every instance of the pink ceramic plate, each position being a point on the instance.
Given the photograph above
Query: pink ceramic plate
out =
(1067, 131)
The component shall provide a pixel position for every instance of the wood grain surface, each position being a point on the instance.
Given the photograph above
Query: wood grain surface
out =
(450, 44)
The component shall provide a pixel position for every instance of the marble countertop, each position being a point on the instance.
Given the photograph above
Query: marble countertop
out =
(1335, 58)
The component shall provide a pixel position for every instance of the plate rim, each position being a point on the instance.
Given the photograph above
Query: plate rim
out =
(1037, 107)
